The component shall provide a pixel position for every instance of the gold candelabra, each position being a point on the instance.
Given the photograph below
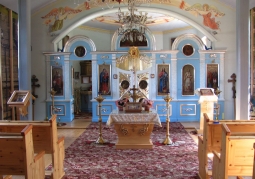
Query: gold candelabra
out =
(167, 140)
(100, 139)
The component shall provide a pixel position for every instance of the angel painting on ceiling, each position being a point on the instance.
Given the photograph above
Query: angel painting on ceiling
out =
(209, 13)
(55, 18)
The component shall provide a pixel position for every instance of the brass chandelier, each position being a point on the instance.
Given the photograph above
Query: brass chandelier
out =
(133, 25)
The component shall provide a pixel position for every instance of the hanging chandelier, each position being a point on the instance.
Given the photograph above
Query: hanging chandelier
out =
(133, 25)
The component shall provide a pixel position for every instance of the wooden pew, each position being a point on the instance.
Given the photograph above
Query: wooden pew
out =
(45, 138)
(211, 140)
(237, 154)
(17, 155)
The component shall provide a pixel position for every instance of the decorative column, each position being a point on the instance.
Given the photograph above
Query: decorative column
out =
(242, 59)
(24, 11)
(167, 140)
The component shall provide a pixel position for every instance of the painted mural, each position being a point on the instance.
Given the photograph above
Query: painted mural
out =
(209, 13)
(56, 17)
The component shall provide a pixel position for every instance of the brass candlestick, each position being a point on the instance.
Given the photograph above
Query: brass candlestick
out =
(217, 92)
(52, 93)
(100, 139)
(53, 108)
(167, 140)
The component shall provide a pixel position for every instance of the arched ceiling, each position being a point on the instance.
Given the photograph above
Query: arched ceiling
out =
(37, 4)
(156, 21)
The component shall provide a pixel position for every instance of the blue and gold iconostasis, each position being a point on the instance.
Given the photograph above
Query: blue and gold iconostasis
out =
(178, 71)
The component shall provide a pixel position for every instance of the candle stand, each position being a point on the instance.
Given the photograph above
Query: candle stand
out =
(217, 92)
(167, 140)
(100, 139)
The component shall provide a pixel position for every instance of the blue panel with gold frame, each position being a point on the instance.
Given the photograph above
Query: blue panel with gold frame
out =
(188, 109)
(60, 110)
(162, 110)
(106, 109)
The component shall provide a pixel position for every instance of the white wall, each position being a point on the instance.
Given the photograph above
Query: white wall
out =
(159, 40)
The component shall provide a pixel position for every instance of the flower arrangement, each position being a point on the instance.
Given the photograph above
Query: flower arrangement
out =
(121, 103)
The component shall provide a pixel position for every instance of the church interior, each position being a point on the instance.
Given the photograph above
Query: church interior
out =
(134, 77)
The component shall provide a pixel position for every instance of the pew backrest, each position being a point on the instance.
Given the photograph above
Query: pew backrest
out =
(237, 153)
(212, 136)
(45, 138)
(212, 133)
(44, 132)
(17, 154)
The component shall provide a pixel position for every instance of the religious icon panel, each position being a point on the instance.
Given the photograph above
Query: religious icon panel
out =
(163, 71)
(57, 80)
(104, 85)
(188, 80)
(212, 76)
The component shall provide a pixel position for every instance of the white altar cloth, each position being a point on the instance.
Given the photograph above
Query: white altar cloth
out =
(143, 117)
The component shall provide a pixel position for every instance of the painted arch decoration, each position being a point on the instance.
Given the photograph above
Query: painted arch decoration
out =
(55, 18)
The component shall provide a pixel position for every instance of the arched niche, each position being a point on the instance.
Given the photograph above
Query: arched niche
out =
(151, 42)
(188, 80)
(184, 37)
(80, 41)
(79, 38)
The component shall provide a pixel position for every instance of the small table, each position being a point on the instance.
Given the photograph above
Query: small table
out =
(134, 129)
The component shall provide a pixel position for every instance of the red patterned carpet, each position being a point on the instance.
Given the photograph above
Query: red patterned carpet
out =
(85, 159)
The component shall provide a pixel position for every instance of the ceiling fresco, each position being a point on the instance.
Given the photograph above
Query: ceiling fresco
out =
(209, 15)
(55, 18)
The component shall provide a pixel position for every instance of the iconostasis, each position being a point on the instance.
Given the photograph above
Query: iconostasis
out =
(178, 71)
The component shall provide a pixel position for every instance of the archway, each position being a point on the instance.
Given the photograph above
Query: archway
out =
(144, 9)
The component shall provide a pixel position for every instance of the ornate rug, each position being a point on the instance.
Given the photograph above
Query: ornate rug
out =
(86, 159)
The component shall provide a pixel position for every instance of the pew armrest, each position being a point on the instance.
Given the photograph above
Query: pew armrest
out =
(61, 139)
(39, 171)
(61, 157)
(216, 154)
(39, 156)
(216, 173)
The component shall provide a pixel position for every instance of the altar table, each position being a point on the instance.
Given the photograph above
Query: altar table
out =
(134, 129)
